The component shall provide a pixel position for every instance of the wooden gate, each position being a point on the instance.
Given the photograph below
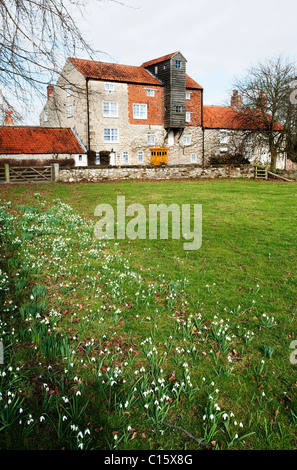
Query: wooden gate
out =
(32, 174)
(261, 172)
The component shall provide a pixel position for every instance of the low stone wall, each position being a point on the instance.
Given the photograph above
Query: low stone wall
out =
(290, 174)
(75, 175)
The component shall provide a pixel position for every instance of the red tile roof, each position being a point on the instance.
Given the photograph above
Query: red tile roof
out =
(124, 73)
(38, 140)
(114, 72)
(191, 84)
(159, 60)
(224, 117)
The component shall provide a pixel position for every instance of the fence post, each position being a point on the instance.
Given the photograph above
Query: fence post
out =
(55, 172)
(7, 175)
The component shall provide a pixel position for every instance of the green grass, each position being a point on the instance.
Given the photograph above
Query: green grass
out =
(109, 345)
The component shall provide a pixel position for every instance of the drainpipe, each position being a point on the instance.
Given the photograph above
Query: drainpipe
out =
(203, 131)
(88, 116)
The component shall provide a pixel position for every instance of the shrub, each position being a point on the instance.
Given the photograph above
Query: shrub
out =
(228, 159)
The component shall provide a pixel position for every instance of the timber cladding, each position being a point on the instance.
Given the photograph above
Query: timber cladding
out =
(138, 94)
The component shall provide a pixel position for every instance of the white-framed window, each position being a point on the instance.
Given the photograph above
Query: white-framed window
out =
(125, 158)
(111, 135)
(178, 109)
(224, 137)
(109, 86)
(187, 140)
(156, 69)
(69, 89)
(188, 95)
(193, 157)
(69, 110)
(140, 158)
(150, 92)
(178, 64)
(97, 161)
(110, 109)
(264, 156)
(45, 115)
(151, 139)
(188, 117)
(139, 111)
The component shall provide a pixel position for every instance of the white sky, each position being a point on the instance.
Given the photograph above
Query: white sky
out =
(219, 38)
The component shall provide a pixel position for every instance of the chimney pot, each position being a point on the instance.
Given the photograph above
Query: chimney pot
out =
(8, 121)
(50, 89)
(236, 100)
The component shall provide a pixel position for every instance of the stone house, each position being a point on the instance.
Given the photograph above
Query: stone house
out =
(227, 132)
(38, 145)
(148, 114)
(141, 115)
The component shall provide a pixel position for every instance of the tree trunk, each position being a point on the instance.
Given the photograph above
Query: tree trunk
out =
(273, 152)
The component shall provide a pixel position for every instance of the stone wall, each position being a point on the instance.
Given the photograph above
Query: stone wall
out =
(76, 175)
(290, 174)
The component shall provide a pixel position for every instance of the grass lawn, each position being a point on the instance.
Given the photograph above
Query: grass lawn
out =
(127, 344)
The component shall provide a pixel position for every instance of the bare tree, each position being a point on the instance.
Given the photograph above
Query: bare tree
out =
(267, 108)
(35, 38)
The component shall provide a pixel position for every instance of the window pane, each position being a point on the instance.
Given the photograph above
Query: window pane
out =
(109, 86)
(111, 135)
(223, 137)
(151, 140)
(110, 109)
(139, 111)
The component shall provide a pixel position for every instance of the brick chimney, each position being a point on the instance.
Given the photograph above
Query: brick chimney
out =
(8, 121)
(262, 101)
(50, 89)
(236, 100)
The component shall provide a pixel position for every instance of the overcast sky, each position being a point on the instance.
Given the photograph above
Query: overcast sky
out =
(219, 39)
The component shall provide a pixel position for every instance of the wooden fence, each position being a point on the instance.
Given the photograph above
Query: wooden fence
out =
(32, 174)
